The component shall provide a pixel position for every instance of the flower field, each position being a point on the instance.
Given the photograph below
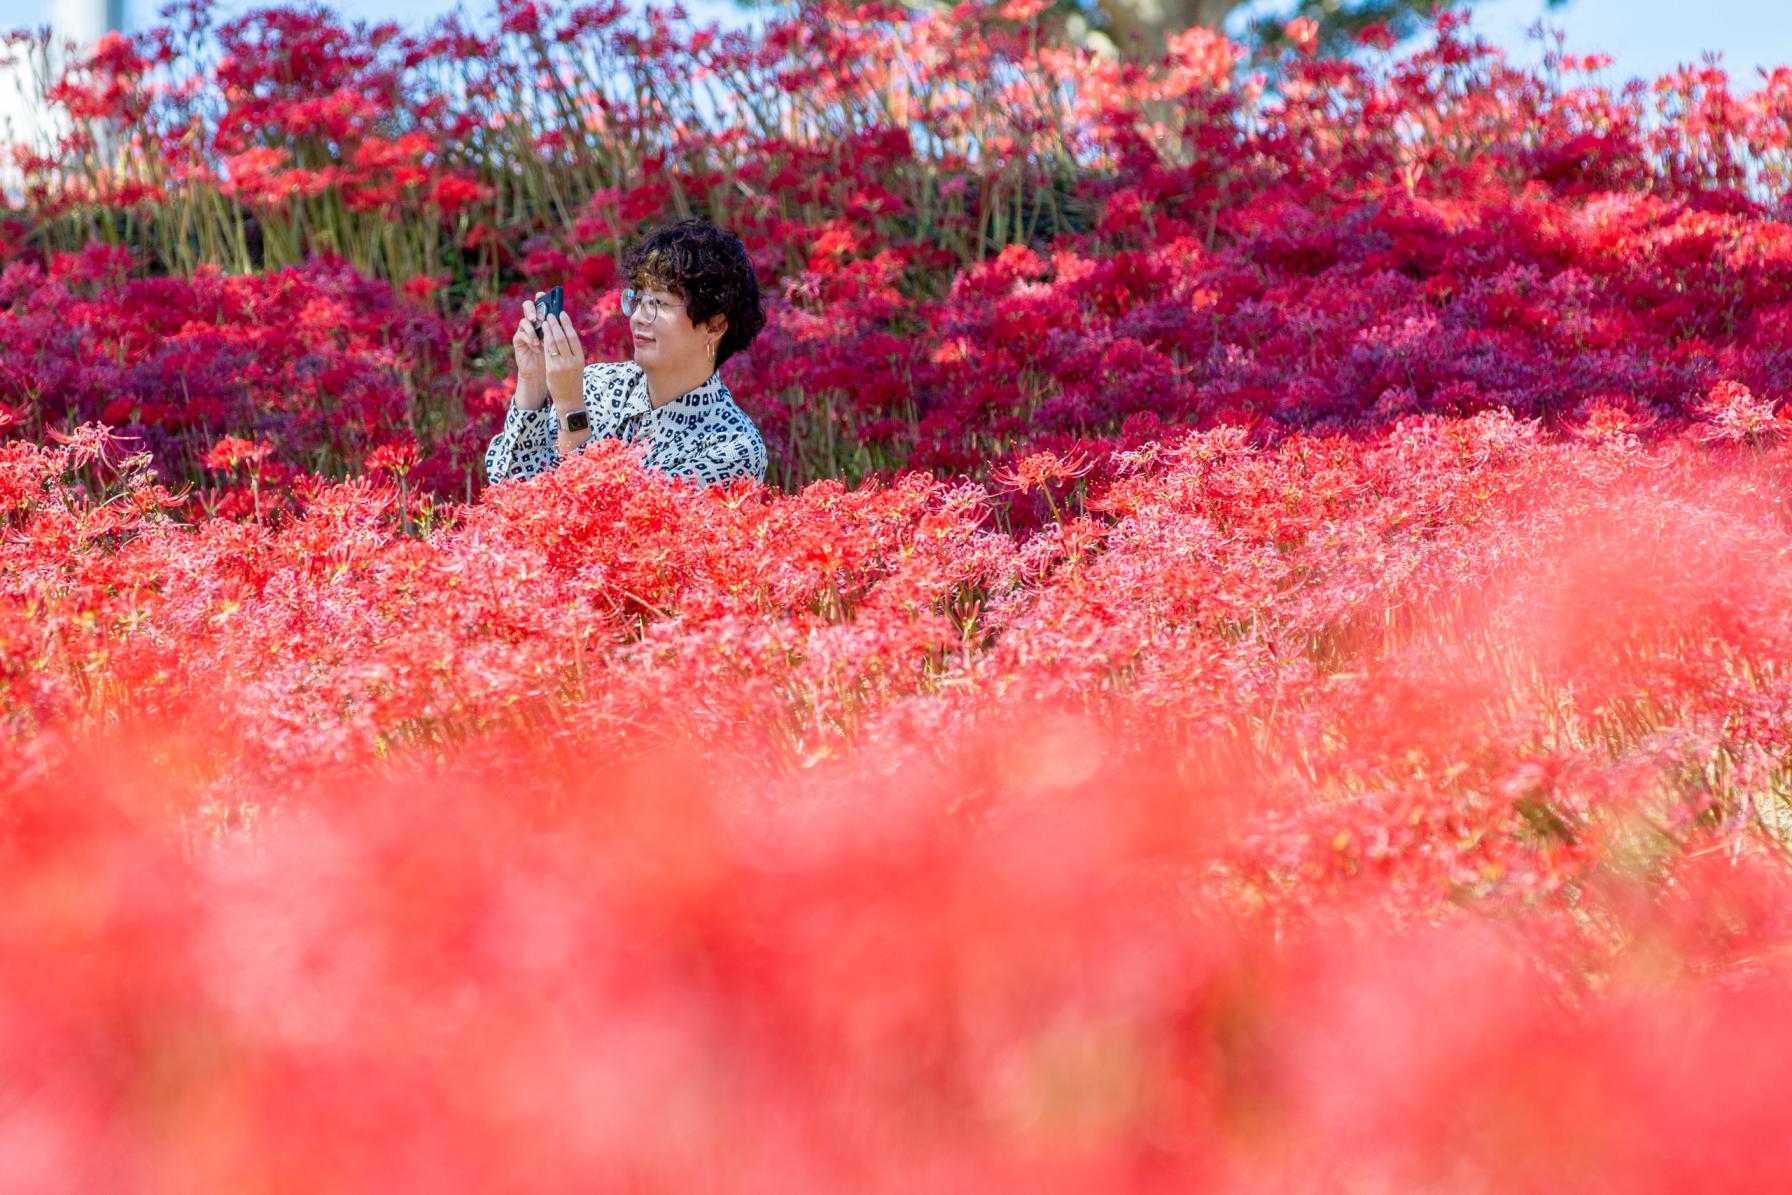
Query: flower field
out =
(1261, 663)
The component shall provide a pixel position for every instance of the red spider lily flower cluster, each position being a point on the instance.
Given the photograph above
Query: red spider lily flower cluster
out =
(1283, 259)
(1259, 668)
(1382, 805)
(1733, 413)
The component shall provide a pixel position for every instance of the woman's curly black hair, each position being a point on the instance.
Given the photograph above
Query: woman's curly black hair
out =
(708, 269)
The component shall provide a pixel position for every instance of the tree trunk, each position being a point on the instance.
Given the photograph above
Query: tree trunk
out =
(1139, 27)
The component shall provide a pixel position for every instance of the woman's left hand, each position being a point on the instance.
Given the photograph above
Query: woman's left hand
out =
(565, 360)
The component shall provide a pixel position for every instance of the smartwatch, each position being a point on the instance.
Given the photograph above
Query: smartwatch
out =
(576, 421)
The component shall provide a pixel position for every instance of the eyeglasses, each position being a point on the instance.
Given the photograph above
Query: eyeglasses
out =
(649, 305)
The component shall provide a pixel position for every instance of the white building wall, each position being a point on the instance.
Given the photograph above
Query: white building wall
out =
(21, 119)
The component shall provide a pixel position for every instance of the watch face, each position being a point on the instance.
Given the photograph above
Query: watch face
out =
(577, 421)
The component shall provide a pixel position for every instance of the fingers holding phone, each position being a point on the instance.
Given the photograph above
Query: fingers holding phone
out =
(547, 305)
(526, 342)
(565, 355)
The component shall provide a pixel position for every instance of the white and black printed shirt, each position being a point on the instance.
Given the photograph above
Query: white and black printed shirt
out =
(700, 435)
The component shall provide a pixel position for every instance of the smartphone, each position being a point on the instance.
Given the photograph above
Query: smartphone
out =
(552, 303)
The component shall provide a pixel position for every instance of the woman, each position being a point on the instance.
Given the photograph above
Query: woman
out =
(692, 303)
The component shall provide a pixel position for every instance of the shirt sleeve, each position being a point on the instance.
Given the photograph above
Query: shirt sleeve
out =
(525, 447)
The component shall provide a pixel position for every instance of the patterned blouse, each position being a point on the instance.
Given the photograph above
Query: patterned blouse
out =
(699, 435)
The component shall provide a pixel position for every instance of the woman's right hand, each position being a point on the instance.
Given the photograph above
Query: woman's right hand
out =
(531, 359)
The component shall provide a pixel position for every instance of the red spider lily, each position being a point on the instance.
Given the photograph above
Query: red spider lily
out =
(399, 457)
(231, 451)
(453, 193)
(89, 442)
(1303, 34)
(421, 286)
(1376, 35)
(1040, 469)
(1024, 10)
(1734, 414)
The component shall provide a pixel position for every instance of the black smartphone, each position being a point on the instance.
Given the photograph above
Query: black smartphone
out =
(552, 303)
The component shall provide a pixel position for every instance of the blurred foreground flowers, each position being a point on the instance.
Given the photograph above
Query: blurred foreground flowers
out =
(1371, 816)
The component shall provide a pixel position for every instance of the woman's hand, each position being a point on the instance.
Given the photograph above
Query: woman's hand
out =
(565, 361)
(531, 361)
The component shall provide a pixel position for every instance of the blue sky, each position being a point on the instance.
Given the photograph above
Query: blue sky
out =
(1644, 37)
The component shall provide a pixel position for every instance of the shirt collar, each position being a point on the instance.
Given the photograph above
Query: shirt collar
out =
(707, 393)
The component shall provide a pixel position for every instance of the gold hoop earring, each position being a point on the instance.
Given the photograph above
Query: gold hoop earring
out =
(712, 350)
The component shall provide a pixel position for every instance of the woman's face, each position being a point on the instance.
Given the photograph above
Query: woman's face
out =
(669, 341)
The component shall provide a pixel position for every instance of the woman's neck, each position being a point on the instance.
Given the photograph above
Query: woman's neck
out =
(663, 388)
